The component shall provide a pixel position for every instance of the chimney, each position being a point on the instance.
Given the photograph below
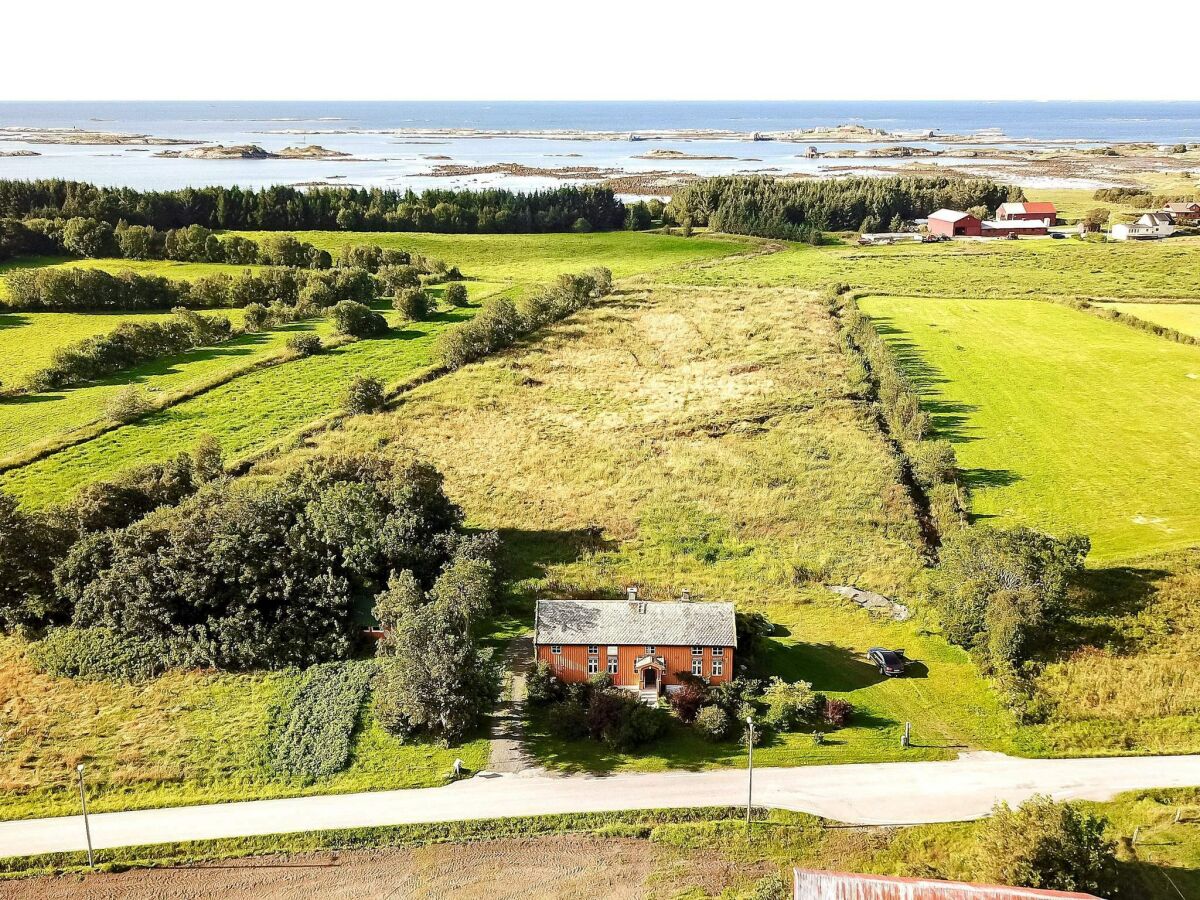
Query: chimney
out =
(631, 593)
(686, 595)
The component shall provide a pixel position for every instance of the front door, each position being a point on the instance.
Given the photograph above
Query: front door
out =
(650, 678)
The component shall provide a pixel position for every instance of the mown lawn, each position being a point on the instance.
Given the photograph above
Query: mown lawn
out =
(1060, 420)
(245, 414)
(1183, 317)
(187, 737)
(1025, 268)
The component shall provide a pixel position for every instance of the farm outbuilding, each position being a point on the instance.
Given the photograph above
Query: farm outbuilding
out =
(1028, 212)
(952, 223)
(1017, 227)
(810, 884)
(1184, 212)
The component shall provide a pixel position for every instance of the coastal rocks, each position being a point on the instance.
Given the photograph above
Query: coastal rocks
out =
(80, 136)
(18, 153)
(252, 151)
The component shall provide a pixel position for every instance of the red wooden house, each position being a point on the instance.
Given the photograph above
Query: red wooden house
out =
(952, 223)
(642, 645)
(1184, 212)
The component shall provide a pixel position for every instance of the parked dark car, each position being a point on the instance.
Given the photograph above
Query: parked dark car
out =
(1057, 235)
(890, 662)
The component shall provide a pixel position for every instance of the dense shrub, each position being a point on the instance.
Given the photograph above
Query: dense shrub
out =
(541, 684)
(304, 343)
(1048, 845)
(88, 237)
(456, 294)
(97, 653)
(621, 721)
(17, 238)
(801, 210)
(686, 701)
(316, 728)
(413, 304)
(128, 404)
(358, 320)
(713, 722)
(29, 546)
(317, 208)
(836, 713)
(364, 395)
(130, 344)
(265, 573)
(569, 719)
(1002, 592)
(394, 279)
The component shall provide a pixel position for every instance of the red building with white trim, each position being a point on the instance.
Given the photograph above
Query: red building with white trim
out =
(952, 223)
(1033, 211)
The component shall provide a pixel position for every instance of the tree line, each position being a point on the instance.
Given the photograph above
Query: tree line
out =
(801, 210)
(281, 208)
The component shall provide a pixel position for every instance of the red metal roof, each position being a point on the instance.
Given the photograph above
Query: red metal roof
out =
(1040, 207)
(814, 885)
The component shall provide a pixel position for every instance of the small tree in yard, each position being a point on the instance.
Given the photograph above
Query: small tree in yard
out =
(363, 396)
(790, 705)
(686, 701)
(1094, 219)
(1043, 844)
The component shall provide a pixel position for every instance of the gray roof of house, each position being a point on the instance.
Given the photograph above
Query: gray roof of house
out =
(666, 624)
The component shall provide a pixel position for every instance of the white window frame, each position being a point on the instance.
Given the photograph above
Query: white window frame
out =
(651, 650)
(593, 665)
(718, 667)
(718, 651)
(593, 649)
(697, 665)
(556, 648)
(612, 664)
(697, 651)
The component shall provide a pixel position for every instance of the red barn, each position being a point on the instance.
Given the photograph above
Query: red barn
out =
(1028, 212)
(1018, 227)
(643, 645)
(952, 223)
(1184, 212)
(810, 884)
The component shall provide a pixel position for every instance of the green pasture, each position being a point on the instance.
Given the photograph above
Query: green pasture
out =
(1183, 317)
(1060, 420)
(1025, 268)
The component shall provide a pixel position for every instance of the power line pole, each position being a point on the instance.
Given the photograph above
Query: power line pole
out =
(749, 774)
(87, 828)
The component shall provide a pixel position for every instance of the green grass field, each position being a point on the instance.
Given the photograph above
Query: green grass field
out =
(1183, 317)
(245, 414)
(1026, 268)
(1060, 420)
(187, 737)
(537, 257)
(182, 271)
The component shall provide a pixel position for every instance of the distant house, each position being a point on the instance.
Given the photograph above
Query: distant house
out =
(813, 153)
(1184, 212)
(812, 885)
(1028, 212)
(643, 645)
(1150, 227)
(952, 223)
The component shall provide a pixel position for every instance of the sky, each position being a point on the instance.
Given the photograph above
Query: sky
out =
(610, 50)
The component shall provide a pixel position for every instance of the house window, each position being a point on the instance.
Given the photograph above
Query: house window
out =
(593, 649)
(697, 665)
(718, 651)
(593, 665)
(612, 665)
(556, 648)
(650, 651)
(697, 651)
(718, 666)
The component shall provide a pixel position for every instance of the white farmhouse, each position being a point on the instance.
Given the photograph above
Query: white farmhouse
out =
(1149, 227)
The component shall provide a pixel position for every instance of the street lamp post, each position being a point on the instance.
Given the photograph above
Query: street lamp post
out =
(749, 773)
(87, 828)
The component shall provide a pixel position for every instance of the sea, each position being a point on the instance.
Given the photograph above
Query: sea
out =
(406, 144)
